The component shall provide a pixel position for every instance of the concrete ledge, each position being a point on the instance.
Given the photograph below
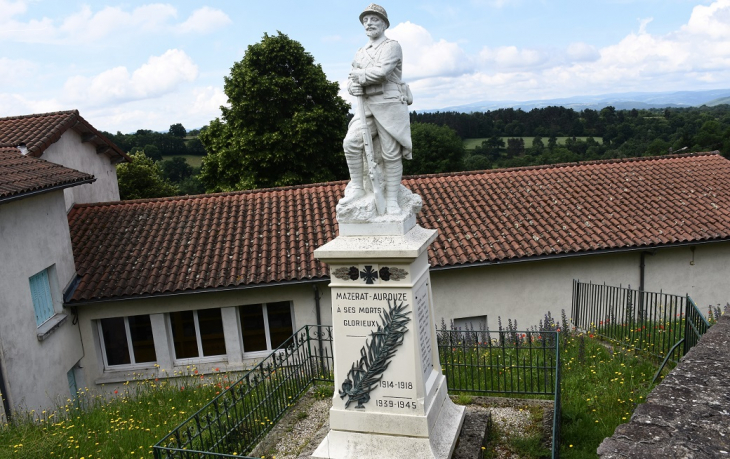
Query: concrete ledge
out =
(354, 445)
(51, 325)
(405, 247)
(688, 414)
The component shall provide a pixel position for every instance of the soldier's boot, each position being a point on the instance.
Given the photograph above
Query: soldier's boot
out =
(356, 187)
(393, 174)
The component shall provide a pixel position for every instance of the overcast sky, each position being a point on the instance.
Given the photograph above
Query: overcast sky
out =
(136, 64)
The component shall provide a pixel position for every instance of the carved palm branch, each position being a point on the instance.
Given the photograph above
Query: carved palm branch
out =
(375, 356)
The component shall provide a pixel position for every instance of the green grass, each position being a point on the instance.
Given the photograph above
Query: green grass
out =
(126, 425)
(601, 384)
(601, 387)
(193, 160)
(469, 144)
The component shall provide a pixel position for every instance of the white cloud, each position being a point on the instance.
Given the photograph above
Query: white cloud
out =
(582, 52)
(9, 9)
(643, 23)
(194, 108)
(205, 20)
(695, 56)
(510, 57)
(425, 57)
(208, 100)
(87, 26)
(160, 75)
(15, 104)
(713, 20)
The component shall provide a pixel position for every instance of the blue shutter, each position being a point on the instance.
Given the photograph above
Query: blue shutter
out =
(40, 289)
(72, 383)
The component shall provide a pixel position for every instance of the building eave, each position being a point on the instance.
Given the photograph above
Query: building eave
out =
(434, 269)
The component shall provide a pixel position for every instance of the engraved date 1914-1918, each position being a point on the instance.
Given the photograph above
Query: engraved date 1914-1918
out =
(396, 384)
(403, 404)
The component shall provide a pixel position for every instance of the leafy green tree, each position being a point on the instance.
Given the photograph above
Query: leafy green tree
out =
(476, 163)
(436, 149)
(191, 185)
(284, 126)
(195, 147)
(515, 147)
(538, 146)
(142, 178)
(552, 143)
(152, 152)
(177, 130)
(176, 169)
(710, 136)
(490, 148)
(657, 147)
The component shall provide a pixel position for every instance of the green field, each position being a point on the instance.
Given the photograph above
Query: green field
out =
(469, 144)
(193, 160)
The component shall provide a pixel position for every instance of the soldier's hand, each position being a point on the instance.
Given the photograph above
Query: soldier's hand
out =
(357, 76)
(356, 89)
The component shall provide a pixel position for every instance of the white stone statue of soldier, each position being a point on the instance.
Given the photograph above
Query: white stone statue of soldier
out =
(383, 99)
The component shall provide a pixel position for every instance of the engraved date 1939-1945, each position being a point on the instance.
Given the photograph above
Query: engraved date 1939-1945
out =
(396, 384)
(407, 404)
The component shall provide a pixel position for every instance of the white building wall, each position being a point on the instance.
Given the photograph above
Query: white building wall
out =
(526, 291)
(304, 313)
(34, 235)
(518, 291)
(71, 152)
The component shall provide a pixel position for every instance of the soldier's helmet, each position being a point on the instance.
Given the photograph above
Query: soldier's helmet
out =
(378, 11)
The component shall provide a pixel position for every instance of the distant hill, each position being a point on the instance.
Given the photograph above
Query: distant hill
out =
(621, 101)
(720, 101)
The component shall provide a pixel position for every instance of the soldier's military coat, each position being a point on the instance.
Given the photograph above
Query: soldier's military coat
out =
(386, 96)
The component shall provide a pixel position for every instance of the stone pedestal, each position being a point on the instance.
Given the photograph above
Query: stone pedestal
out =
(390, 397)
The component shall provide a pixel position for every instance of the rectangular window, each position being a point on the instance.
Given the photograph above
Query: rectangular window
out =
(475, 323)
(72, 387)
(265, 326)
(127, 340)
(197, 334)
(40, 289)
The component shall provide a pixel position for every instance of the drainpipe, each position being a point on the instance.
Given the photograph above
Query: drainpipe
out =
(642, 269)
(4, 396)
(317, 308)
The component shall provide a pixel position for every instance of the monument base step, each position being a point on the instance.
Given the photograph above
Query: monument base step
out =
(355, 445)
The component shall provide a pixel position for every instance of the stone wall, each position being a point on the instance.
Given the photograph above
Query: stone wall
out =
(688, 414)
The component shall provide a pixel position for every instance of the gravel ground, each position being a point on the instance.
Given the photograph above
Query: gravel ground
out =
(300, 431)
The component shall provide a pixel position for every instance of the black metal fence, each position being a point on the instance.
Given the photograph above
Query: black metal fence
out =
(236, 420)
(502, 362)
(659, 324)
(230, 426)
(557, 405)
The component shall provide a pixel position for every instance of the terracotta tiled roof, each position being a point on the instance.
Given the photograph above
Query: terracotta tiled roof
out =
(241, 239)
(23, 175)
(39, 131)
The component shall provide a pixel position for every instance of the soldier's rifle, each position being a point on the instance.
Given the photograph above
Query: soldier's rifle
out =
(370, 156)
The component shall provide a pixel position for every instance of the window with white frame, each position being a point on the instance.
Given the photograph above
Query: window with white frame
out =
(127, 341)
(265, 326)
(40, 290)
(197, 334)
